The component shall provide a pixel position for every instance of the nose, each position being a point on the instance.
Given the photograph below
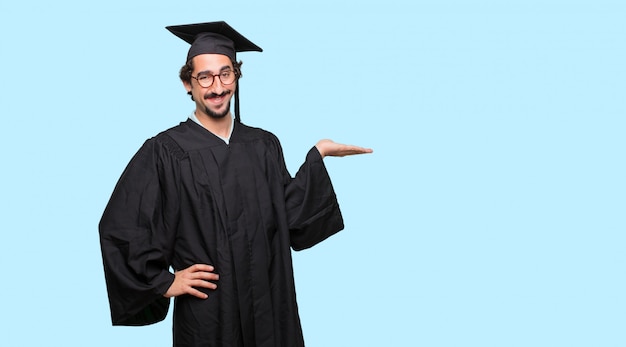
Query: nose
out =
(217, 86)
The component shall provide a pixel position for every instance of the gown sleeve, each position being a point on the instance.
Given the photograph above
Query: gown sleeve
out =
(136, 235)
(312, 208)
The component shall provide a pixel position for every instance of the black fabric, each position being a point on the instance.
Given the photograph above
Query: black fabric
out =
(213, 38)
(187, 197)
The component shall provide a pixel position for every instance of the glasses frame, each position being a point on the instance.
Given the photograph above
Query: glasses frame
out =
(213, 78)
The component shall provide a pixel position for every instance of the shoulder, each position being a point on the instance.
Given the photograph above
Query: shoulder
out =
(249, 133)
(164, 143)
(186, 137)
(256, 140)
(177, 131)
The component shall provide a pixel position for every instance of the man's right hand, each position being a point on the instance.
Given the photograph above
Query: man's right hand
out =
(187, 280)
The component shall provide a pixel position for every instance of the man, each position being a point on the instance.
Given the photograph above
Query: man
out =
(212, 199)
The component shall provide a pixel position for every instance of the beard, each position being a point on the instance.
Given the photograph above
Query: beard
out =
(217, 115)
(214, 114)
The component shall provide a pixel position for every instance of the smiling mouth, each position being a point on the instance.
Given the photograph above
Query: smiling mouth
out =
(216, 97)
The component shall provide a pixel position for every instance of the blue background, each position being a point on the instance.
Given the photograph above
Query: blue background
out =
(490, 214)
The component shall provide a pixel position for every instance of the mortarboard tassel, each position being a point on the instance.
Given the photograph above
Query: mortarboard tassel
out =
(237, 118)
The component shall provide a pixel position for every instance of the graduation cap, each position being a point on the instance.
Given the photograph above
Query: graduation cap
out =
(214, 38)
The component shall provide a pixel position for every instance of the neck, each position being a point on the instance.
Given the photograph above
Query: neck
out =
(218, 126)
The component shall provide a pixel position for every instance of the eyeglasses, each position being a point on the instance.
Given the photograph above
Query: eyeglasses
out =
(205, 79)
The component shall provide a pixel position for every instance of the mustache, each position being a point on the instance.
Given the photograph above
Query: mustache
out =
(215, 95)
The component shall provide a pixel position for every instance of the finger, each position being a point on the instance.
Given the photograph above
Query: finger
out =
(203, 284)
(197, 293)
(208, 276)
(347, 152)
(201, 267)
(360, 149)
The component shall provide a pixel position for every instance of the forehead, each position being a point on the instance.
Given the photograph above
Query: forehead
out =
(211, 62)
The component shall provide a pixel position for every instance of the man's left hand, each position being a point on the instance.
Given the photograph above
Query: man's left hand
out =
(330, 148)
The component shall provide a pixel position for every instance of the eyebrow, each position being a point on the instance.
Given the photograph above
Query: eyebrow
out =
(224, 68)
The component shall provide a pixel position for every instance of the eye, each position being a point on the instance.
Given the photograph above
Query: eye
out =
(202, 77)
(226, 74)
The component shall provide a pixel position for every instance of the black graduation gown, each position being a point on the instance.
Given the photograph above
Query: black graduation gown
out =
(187, 197)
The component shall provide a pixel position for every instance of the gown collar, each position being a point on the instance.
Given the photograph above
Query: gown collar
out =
(225, 139)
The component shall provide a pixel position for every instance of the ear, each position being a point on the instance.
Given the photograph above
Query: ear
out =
(187, 86)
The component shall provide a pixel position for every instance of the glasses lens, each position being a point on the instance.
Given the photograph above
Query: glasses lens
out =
(205, 80)
(227, 77)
